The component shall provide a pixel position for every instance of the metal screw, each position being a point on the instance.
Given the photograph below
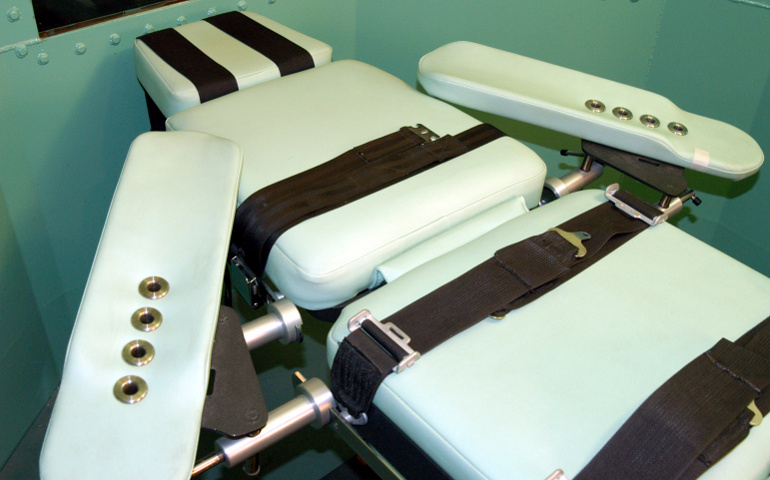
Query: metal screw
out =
(242, 5)
(149, 28)
(181, 20)
(114, 39)
(211, 11)
(42, 58)
(21, 51)
(80, 48)
(14, 14)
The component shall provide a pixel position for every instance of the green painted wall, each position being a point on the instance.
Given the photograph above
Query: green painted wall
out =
(65, 127)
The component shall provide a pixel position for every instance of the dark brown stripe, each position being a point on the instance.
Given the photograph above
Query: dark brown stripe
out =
(211, 79)
(287, 55)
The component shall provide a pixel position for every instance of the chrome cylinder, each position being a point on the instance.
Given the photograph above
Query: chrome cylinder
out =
(312, 405)
(283, 322)
(573, 181)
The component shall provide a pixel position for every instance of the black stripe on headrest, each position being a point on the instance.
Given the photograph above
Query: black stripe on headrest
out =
(287, 55)
(211, 79)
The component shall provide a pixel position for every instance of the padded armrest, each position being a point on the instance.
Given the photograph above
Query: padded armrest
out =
(554, 97)
(171, 216)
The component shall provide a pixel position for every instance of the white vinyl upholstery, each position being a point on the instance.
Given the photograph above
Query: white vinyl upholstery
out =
(554, 97)
(171, 216)
(288, 126)
(548, 385)
(173, 92)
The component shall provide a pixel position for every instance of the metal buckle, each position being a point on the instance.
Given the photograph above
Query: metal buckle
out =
(393, 332)
(260, 292)
(557, 475)
(757, 419)
(675, 207)
(423, 132)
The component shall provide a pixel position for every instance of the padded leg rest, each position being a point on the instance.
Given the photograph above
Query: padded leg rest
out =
(547, 386)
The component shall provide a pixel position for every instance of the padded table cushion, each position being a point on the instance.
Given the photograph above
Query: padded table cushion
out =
(173, 92)
(288, 126)
(549, 384)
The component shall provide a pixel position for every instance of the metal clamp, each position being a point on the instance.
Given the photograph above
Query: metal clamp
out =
(424, 133)
(394, 333)
(675, 207)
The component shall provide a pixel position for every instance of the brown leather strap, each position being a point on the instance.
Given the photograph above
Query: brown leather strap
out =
(359, 172)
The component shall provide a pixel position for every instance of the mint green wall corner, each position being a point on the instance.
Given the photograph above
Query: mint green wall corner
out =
(712, 58)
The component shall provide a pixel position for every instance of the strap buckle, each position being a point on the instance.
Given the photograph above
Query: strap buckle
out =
(406, 358)
(757, 419)
(426, 134)
(629, 210)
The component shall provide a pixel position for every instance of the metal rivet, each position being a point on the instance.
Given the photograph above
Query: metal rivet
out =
(80, 48)
(114, 39)
(622, 113)
(146, 319)
(677, 129)
(21, 51)
(14, 14)
(242, 5)
(649, 121)
(130, 389)
(153, 287)
(138, 352)
(149, 28)
(211, 11)
(595, 106)
(42, 58)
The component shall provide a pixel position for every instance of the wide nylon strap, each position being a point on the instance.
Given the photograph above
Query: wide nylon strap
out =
(515, 275)
(263, 217)
(695, 418)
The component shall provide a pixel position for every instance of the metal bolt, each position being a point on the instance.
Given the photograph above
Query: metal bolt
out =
(42, 58)
(181, 20)
(14, 14)
(114, 39)
(211, 11)
(149, 28)
(80, 48)
(21, 51)
(242, 5)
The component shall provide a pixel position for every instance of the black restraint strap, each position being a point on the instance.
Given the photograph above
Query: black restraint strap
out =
(359, 172)
(693, 419)
(211, 79)
(514, 276)
(287, 55)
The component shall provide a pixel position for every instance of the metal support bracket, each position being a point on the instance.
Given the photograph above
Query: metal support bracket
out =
(234, 406)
